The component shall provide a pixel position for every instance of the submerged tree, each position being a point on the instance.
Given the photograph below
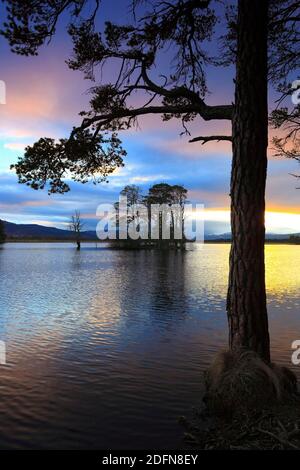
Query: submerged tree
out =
(76, 225)
(182, 27)
(2, 232)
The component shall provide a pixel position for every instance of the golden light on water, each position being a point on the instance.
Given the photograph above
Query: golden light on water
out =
(282, 270)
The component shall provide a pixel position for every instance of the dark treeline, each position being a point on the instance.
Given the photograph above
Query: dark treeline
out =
(2, 232)
(295, 239)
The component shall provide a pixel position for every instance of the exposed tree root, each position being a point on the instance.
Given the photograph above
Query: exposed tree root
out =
(237, 382)
(249, 404)
(272, 428)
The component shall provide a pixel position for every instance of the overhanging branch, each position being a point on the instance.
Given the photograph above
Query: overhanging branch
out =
(210, 112)
(205, 111)
(209, 138)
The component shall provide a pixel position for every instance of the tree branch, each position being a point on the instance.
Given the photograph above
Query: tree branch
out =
(205, 111)
(209, 138)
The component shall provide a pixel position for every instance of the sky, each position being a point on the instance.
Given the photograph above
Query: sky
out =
(44, 97)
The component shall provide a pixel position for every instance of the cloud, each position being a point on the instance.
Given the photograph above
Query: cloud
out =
(44, 98)
(148, 179)
(15, 146)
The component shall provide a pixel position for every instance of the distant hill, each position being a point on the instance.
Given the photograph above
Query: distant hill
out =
(16, 232)
(37, 232)
(269, 236)
(212, 236)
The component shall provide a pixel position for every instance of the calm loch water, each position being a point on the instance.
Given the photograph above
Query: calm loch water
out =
(105, 348)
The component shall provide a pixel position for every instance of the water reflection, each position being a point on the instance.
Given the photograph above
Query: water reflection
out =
(106, 347)
(283, 273)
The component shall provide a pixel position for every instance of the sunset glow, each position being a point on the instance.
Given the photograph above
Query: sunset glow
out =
(281, 222)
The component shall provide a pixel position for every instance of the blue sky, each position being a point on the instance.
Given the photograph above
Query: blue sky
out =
(44, 98)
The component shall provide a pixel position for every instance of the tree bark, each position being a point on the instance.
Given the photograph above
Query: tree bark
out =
(246, 302)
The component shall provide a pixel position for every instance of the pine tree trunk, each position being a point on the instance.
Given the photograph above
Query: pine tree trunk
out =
(246, 303)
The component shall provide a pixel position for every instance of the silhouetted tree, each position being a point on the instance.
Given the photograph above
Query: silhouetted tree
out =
(161, 195)
(133, 194)
(164, 194)
(288, 121)
(179, 196)
(76, 225)
(182, 27)
(284, 63)
(2, 232)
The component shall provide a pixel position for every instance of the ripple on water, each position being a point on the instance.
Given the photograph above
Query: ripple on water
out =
(106, 348)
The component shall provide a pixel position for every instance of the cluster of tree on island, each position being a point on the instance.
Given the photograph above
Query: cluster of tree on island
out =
(162, 229)
(165, 226)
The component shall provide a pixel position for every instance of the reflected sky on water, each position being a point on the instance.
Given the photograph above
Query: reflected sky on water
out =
(106, 348)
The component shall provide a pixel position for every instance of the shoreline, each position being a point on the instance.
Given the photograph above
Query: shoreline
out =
(206, 242)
